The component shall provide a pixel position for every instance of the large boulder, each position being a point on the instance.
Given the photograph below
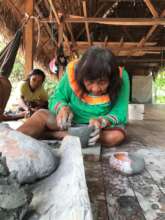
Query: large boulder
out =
(27, 157)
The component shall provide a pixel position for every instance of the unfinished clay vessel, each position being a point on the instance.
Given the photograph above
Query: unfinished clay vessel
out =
(14, 199)
(83, 132)
(127, 163)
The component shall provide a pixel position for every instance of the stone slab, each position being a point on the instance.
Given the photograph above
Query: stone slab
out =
(64, 194)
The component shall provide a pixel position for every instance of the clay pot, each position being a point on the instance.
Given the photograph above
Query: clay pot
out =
(127, 163)
(83, 132)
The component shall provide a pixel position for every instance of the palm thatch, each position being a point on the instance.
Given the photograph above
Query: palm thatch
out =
(138, 40)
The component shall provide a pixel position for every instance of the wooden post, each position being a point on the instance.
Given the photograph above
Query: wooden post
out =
(29, 6)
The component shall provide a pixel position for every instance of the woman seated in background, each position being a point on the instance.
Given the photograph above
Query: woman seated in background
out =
(32, 95)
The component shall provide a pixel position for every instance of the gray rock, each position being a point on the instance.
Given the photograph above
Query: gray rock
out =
(14, 199)
(27, 157)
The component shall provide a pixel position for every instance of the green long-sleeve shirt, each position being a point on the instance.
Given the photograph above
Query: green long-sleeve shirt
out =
(67, 94)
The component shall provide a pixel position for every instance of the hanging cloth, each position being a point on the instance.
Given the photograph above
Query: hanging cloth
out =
(8, 55)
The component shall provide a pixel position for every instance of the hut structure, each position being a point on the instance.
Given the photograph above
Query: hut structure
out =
(135, 31)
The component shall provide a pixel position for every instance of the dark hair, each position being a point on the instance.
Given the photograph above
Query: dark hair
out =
(37, 72)
(99, 63)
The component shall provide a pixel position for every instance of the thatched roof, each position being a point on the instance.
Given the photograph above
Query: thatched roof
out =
(133, 29)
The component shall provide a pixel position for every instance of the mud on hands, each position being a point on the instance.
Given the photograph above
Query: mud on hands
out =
(98, 124)
(64, 118)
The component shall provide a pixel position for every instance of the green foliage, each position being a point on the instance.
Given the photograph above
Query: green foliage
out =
(160, 100)
(18, 70)
(50, 85)
(160, 80)
(160, 87)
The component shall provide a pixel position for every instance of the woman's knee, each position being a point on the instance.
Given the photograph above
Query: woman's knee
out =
(44, 113)
(112, 137)
(48, 117)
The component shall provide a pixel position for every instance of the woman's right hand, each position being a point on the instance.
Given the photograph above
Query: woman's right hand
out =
(64, 118)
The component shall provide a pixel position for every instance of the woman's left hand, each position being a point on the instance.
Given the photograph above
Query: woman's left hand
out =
(99, 122)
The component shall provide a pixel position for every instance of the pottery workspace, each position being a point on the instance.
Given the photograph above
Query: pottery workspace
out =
(103, 68)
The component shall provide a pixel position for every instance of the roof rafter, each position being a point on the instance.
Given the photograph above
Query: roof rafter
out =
(150, 32)
(86, 24)
(151, 8)
(97, 12)
(48, 30)
(58, 20)
(114, 21)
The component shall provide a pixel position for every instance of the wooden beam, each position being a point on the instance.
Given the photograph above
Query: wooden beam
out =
(48, 30)
(120, 46)
(60, 33)
(151, 8)
(97, 12)
(57, 19)
(144, 60)
(29, 28)
(129, 36)
(67, 26)
(86, 24)
(115, 21)
(127, 45)
(152, 29)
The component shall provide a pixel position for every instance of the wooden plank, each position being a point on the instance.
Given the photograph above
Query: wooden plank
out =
(94, 178)
(150, 198)
(155, 164)
(92, 153)
(148, 187)
(121, 201)
(29, 28)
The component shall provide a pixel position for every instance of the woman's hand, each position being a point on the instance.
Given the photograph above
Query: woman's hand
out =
(98, 124)
(64, 118)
